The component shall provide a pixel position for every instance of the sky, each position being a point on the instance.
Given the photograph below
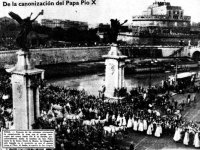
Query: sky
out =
(102, 12)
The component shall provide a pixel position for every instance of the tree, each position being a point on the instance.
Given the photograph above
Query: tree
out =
(11, 27)
(58, 33)
(42, 29)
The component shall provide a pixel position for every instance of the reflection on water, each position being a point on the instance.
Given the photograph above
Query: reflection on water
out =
(93, 83)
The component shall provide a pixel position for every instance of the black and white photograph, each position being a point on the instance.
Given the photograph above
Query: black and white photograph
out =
(99, 74)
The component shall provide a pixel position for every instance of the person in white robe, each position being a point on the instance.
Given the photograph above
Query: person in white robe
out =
(144, 95)
(141, 125)
(145, 124)
(124, 122)
(107, 116)
(186, 137)
(129, 124)
(196, 140)
(135, 125)
(150, 129)
(133, 120)
(120, 121)
(177, 135)
(158, 131)
(113, 118)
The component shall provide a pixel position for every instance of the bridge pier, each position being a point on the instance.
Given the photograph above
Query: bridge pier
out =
(25, 90)
(114, 73)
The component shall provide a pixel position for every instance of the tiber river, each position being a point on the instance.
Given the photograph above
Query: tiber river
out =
(93, 83)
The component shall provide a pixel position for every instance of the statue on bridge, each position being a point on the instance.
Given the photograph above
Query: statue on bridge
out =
(114, 31)
(26, 28)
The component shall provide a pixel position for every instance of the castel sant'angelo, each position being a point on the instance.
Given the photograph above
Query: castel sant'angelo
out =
(163, 24)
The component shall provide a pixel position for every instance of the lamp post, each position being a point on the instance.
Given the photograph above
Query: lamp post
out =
(150, 76)
(150, 69)
(176, 71)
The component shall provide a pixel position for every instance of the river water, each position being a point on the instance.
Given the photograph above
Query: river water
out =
(93, 83)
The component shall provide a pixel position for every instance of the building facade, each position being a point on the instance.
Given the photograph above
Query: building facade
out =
(65, 24)
(161, 18)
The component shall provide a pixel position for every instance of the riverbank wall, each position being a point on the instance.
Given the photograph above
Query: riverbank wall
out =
(72, 61)
(52, 56)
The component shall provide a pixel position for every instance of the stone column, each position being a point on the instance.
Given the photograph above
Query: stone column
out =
(25, 89)
(114, 73)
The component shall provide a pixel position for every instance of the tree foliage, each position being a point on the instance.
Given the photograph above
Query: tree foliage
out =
(70, 35)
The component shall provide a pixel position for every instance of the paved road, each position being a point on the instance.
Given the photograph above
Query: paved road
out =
(144, 142)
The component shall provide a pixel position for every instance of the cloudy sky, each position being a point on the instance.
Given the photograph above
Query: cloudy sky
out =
(103, 11)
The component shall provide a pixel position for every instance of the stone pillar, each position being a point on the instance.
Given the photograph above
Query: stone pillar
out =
(114, 73)
(25, 89)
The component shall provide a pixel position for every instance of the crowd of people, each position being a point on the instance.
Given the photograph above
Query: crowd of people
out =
(87, 122)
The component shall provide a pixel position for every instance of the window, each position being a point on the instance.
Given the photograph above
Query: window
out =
(169, 12)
